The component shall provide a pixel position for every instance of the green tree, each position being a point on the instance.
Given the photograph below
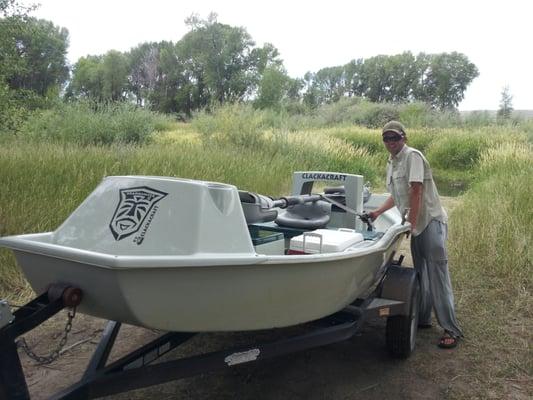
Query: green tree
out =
(33, 64)
(273, 88)
(9, 8)
(143, 70)
(311, 97)
(445, 79)
(100, 78)
(173, 91)
(87, 79)
(439, 80)
(217, 57)
(506, 105)
(329, 84)
(115, 75)
(354, 83)
(221, 63)
(33, 55)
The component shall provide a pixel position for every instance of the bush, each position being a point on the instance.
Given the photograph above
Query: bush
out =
(241, 125)
(92, 123)
(456, 151)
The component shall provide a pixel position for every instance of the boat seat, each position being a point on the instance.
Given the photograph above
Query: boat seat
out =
(306, 216)
(256, 207)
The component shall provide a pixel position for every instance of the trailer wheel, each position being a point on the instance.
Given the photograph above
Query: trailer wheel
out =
(401, 330)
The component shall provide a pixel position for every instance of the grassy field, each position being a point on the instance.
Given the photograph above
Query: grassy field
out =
(44, 179)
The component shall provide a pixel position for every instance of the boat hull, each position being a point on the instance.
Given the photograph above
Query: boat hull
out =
(265, 295)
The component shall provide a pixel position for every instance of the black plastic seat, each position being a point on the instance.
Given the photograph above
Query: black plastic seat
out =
(306, 216)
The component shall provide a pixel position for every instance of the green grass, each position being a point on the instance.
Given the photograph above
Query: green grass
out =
(492, 259)
(89, 123)
(491, 227)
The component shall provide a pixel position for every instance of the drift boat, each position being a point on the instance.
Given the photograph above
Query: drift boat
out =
(195, 256)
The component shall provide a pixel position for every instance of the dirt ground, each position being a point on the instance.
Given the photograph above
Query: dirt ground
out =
(359, 368)
(355, 369)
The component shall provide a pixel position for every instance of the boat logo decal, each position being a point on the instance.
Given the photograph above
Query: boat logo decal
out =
(135, 206)
(325, 177)
(245, 356)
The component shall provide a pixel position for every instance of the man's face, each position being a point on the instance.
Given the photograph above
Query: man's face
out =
(393, 142)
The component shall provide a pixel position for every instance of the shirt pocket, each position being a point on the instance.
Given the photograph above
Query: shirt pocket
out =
(400, 181)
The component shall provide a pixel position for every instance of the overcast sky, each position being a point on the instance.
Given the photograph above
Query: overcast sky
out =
(494, 35)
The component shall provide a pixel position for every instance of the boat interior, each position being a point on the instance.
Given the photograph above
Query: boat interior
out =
(278, 231)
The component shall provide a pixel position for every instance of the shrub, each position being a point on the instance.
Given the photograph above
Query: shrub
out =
(456, 151)
(241, 125)
(375, 115)
(92, 123)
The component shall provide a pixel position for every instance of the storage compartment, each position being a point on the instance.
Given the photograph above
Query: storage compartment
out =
(267, 242)
(324, 241)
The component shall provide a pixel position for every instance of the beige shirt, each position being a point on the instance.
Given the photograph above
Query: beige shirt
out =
(409, 165)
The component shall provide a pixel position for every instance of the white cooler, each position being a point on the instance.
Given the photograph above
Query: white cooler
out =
(324, 241)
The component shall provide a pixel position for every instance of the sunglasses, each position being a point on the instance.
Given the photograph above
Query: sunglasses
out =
(395, 138)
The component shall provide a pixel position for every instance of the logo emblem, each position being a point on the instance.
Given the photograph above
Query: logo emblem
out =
(134, 205)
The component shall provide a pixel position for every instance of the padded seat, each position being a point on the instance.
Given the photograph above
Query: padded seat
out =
(306, 216)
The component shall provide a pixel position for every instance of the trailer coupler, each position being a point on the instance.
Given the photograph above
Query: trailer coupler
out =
(12, 382)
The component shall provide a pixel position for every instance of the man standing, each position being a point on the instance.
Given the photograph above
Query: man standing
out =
(413, 191)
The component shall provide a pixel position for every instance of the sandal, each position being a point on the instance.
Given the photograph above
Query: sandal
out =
(448, 341)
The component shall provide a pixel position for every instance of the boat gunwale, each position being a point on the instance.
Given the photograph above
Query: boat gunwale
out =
(28, 243)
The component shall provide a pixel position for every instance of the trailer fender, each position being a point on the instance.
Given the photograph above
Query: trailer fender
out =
(398, 284)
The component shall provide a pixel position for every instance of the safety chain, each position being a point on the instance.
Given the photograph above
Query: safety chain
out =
(54, 355)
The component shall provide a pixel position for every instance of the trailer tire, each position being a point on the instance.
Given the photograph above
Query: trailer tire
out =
(400, 333)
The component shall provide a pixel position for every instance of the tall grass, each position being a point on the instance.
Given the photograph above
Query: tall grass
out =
(90, 123)
(492, 259)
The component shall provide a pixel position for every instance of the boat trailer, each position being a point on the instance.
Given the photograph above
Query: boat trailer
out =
(396, 298)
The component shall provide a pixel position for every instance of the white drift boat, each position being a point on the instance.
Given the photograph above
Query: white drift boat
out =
(194, 256)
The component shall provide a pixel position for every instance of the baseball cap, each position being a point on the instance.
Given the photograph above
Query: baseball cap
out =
(394, 126)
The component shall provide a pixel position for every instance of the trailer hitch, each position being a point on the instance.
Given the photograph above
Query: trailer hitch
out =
(12, 382)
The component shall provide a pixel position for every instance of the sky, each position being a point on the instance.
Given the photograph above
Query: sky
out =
(310, 35)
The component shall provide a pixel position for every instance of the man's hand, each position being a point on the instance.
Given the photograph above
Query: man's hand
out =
(388, 204)
(373, 215)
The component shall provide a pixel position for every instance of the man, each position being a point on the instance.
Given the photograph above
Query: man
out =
(413, 191)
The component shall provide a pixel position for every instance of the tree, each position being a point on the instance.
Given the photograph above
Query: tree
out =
(273, 88)
(33, 64)
(173, 91)
(100, 78)
(506, 105)
(115, 75)
(446, 78)
(10, 8)
(33, 55)
(217, 56)
(221, 62)
(329, 84)
(87, 79)
(143, 70)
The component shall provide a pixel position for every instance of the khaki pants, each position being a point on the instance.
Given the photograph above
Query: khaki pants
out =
(430, 260)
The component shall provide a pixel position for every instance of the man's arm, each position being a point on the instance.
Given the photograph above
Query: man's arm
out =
(415, 200)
